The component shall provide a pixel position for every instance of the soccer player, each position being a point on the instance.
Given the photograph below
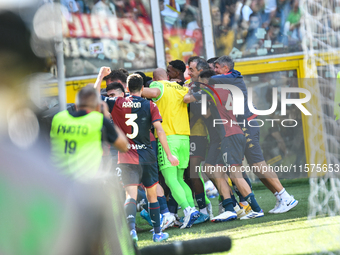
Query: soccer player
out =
(135, 115)
(169, 99)
(224, 67)
(198, 142)
(213, 152)
(116, 75)
(115, 89)
(176, 70)
(233, 144)
(76, 138)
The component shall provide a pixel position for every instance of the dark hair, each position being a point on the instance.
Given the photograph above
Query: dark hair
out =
(134, 83)
(207, 73)
(116, 75)
(225, 61)
(124, 71)
(192, 59)
(212, 60)
(145, 78)
(115, 85)
(179, 65)
(201, 64)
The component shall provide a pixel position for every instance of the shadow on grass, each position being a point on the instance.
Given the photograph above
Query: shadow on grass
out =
(299, 188)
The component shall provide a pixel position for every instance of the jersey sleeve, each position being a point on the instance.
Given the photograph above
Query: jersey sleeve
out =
(158, 85)
(109, 133)
(184, 91)
(205, 91)
(155, 114)
(110, 102)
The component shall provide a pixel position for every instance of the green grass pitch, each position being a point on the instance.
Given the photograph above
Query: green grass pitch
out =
(288, 233)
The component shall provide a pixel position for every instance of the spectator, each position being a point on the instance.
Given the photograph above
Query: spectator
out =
(273, 33)
(252, 40)
(71, 5)
(292, 26)
(104, 8)
(269, 12)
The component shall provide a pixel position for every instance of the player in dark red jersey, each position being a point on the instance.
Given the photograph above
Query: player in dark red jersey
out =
(135, 115)
(224, 67)
(233, 145)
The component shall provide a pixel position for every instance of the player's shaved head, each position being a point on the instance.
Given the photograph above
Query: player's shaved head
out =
(87, 97)
(160, 74)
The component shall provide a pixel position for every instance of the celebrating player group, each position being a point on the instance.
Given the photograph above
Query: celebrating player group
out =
(163, 135)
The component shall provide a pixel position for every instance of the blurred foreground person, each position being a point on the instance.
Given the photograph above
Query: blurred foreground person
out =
(76, 138)
(42, 212)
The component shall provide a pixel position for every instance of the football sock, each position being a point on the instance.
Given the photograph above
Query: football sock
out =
(172, 204)
(200, 200)
(186, 188)
(163, 205)
(228, 204)
(204, 210)
(187, 211)
(284, 194)
(253, 203)
(131, 210)
(233, 199)
(154, 210)
(174, 180)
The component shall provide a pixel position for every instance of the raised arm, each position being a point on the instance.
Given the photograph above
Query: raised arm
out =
(104, 71)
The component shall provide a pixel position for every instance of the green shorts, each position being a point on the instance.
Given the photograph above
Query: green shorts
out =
(179, 146)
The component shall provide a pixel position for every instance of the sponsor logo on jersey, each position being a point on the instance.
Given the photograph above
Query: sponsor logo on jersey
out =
(131, 104)
(137, 146)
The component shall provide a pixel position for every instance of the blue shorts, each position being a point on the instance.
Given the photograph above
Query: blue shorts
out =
(198, 146)
(253, 151)
(133, 175)
(232, 150)
(213, 152)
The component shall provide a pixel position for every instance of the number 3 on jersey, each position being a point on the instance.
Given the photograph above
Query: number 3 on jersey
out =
(131, 122)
